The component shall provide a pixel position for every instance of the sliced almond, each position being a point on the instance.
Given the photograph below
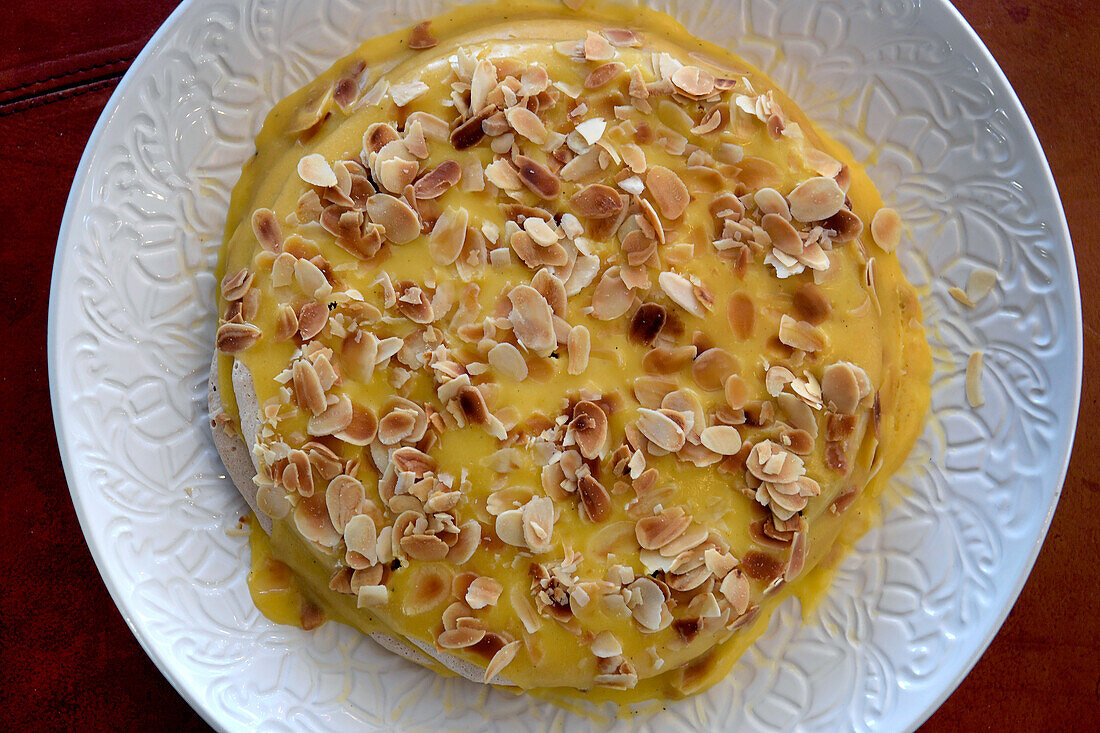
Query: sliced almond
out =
(532, 320)
(401, 222)
(316, 171)
(693, 81)
(816, 199)
(334, 419)
(594, 498)
(784, 236)
(579, 346)
(682, 292)
(597, 48)
(507, 360)
(801, 335)
(597, 201)
(537, 177)
(712, 367)
(501, 660)
(526, 123)
(611, 297)
(438, 180)
(589, 423)
(668, 191)
(267, 230)
(886, 229)
(661, 429)
(233, 338)
(722, 439)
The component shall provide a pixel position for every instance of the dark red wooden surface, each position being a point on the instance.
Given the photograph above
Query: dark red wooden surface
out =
(67, 659)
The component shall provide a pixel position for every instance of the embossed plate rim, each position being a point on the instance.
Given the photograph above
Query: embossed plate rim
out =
(170, 666)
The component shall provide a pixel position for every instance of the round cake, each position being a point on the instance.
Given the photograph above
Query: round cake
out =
(555, 350)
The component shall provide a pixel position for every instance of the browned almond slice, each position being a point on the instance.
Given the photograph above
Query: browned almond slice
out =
(589, 424)
(420, 37)
(532, 320)
(597, 201)
(236, 337)
(816, 199)
(594, 498)
(401, 222)
(784, 236)
(668, 191)
(436, 181)
(537, 177)
(886, 229)
(267, 230)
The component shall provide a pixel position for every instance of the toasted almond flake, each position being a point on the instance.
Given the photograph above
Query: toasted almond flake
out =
(783, 235)
(634, 157)
(681, 291)
(886, 229)
(507, 360)
(589, 423)
(816, 199)
(709, 123)
(526, 123)
(538, 524)
(469, 537)
(484, 79)
(532, 320)
(308, 392)
(980, 283)
(402, 94)
(267, 230)
(471, 132)
(372, 596)
(438, 180)
(315, 170)
(334, 419)
(236, 337)
(656, 531)
(605, 645)
(460, 638)
(483, 592)
(597, 201)
(801, 335)
(840, 387)
(668, 191)
(501, 660)
(693, 81)
(594, 498)
(611, 297)
(312, 319)
(579, 347)
(537, 177)
(974, 380)
(735, 587)
(603, 75)
(401, 222)
(661, 429)
(420, 37)
(722, 439)
(597, 48)
(592, 129)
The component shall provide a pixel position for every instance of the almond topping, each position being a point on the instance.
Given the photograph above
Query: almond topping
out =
(693, 81)
(532, 320)
(401, 222)
(315, 170)
(681, 291)
(448, 235)
(783, 234)
(333, 420)
(267, 230)
(741, 315)
(597, 201)
(886, 229)
(647, 322)
(801, 335)
(436, 181)
(500, 660)
(594, 498)
(655, 532)
(579, 346)
(420, 37)
(661, 429)
(526, 123)
(603, 74)
(816, 199)
(483, 592)
(235, 337)
(589, 424)
(722, 439)
(597, 48)
(537, 178)
(668, 191)
(711, 369)
(507, 360)
(611, 298)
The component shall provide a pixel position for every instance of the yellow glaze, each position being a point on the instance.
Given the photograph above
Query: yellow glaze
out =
(891, 348)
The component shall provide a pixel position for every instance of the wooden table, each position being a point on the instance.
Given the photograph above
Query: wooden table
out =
(67, 659)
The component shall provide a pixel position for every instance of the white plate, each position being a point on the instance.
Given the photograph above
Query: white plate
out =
(131, 327)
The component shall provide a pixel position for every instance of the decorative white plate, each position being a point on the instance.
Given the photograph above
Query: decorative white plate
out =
(905, 83)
